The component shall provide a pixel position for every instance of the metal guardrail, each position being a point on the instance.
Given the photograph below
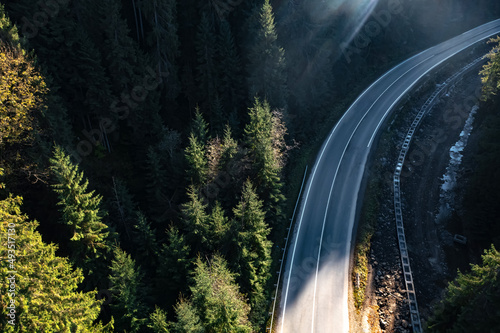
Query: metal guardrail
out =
(405, 259)
(282, 260)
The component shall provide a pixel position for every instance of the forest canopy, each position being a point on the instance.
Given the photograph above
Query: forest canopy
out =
(158, 143)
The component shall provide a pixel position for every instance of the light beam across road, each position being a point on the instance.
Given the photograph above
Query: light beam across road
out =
(315, 284)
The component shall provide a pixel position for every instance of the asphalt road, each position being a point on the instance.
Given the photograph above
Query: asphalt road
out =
(316, 276)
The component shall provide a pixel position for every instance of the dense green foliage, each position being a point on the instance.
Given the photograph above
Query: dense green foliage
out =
(472, 300)
(153, 141)
(491, 71)
(43, 290)
(216, 304)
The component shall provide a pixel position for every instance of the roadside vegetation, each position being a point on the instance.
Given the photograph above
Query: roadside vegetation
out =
(161, 145)
(471, 301)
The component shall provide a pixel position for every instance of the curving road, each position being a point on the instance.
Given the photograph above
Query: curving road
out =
(316, 276)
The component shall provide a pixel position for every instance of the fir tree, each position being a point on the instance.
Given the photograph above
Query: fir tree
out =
(206, 68)
(188, 321)
(267, 69)
(158, 321)
(156, 181)
(229, 145)
(21, 93)
(129, 292)
(122, 208)
(144, 241)
(199, 127)
(264, 136)
(197, 161)
(472, 300)
(216, 301)
(164, 41)
(173, 267)
(229, 69)
(491, 71)
(80, 210)
(46, 286)
(195, 218)
(254, 250)
(218, 228)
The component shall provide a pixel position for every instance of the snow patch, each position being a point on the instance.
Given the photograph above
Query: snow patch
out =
(447, 196)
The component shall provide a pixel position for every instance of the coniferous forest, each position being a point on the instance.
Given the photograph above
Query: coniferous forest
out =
(149, 149)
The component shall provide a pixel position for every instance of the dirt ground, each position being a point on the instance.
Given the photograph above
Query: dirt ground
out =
(434, 257)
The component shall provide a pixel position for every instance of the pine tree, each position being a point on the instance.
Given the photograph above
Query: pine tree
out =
(157, 179)
(188, 321)
(195, 218)
(164, 41)
(80, 210)
(206, 68)
(229, 146)
(159, 323)
(9, 34)
(216, 301)
(469, 297)
(122, 208)
(128, 306)
(218, 228)
(254, 250)
(173, 267)
(144, 241)
(21, 94)
(46, 286)
(267, 69)
(491, 71)
(264, 136)
(199, 127)
(229, 69)
(197, 161)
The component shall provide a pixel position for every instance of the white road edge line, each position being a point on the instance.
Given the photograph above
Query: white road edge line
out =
(335, 178)
(314, 173)
(418, 79)
(310, 181)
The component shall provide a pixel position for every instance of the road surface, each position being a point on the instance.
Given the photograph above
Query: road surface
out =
(315, 284)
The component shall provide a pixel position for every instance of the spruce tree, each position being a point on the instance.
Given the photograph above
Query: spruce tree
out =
(47, 295)
(218, 228)
(158, 321)
(157, 179)
(22, 90)
(121, 208)
(264, 137)
(164, 42)
(195, 218)
(472, 301)
(229, 145)
(173, 267)
(199, 127)
(129, 292)
(80, 210)
(145, 245)
(188, 321)
(216, 301)
(206, 69)
(254, 250)
(197, 162)
(267, 69)
(490, 74)
(230, 70)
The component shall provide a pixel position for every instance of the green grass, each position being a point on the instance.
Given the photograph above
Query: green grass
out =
(363, 243)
